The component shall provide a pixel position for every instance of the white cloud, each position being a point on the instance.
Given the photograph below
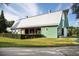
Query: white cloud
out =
(10, 9)
(66, 7)
(58, 7)
(30, 9)
(33, 8)
(70, 11)
(10, 16)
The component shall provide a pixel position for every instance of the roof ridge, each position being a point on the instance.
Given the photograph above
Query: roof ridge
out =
(43, 14)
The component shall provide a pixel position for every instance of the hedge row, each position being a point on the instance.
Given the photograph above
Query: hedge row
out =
(19, 36)
(10, 35)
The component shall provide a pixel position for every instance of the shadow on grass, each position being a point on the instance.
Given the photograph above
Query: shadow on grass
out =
(7, 44)
(10, 44)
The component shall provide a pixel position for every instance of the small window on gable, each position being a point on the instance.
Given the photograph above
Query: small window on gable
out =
(46, 29)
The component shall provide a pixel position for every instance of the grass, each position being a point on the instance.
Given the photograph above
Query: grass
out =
(38, 42)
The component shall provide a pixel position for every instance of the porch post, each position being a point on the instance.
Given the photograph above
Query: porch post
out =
(65, 32)
(34, 30)
(29, 31)
(21, 31)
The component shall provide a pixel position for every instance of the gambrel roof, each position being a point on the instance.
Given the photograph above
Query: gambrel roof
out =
(49, 19)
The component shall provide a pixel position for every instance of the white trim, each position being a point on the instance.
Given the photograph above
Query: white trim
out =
(65, 32)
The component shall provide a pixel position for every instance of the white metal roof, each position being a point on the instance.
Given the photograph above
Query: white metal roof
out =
(41, 20)
(15, 24)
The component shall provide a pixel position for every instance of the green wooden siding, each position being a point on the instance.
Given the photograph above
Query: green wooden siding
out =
(49, 32)
(66, 24)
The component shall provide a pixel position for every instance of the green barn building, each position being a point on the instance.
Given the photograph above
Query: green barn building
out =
(50, 25)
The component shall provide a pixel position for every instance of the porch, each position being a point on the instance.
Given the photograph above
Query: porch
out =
(31, 33)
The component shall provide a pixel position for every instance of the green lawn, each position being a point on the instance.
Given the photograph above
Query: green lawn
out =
(38, 42)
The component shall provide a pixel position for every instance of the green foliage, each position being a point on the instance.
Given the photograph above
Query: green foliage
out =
(10, 23)
(75, 9)
(73, 31)
(3, 24)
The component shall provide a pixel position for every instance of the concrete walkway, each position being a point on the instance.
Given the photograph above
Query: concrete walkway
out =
(40, 51)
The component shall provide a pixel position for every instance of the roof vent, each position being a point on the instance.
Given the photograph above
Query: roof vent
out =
(26, 16)
(49, 11)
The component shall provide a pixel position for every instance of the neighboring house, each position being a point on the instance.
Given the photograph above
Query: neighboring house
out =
(8, 29)
(50, 25)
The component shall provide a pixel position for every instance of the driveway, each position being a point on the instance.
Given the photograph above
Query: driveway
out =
(40, 51)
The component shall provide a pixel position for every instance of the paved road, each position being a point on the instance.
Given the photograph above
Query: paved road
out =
(40, 51)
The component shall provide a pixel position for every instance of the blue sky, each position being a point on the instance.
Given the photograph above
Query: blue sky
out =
(15, 11)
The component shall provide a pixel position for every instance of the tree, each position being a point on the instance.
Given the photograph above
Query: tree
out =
(10, 23)
(75, 9)
(3, 24)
